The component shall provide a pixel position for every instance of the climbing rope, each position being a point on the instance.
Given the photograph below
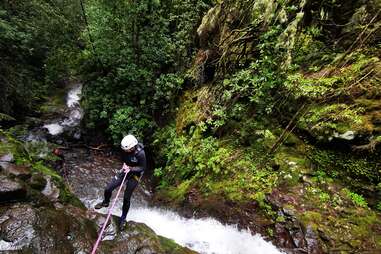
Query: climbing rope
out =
(95, 247)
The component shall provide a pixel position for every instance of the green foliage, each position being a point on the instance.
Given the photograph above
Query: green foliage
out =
(138, 47)
(211, 165)
(343, 165)
(167, 87)
(38, 39)
(191, 157)
(5, 117)
(128, 120)
(324, 197)
(321, 82)
(378, 206)
(256, 82)
(323, 120)
(357, 199)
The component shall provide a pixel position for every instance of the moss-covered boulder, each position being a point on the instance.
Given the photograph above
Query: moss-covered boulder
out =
(138, 238)
(39, 214)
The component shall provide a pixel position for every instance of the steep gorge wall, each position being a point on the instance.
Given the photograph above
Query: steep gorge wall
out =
(280, 130)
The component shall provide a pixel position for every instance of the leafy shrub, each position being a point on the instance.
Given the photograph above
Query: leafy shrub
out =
(357, 199)
(128, 120)
(167, 86)
(335, 117)
(138, 48)
(191, 157)
(378, 207)
(344, 165)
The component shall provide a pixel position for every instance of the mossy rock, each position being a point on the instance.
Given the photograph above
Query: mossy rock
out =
(170, 247)
(334, 121)
(195, 107)
(139, 237)
(37, 181)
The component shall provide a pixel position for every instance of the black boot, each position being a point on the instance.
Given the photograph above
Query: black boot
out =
(122, 223)
(100, 205)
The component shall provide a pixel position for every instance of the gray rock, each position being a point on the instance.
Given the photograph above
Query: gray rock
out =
(312, 241)
(17, 227)
(10, 190)
(7, 158)
(51, 191)
(19, 171)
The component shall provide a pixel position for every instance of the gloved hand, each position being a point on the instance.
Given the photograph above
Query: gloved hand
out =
(126, 168)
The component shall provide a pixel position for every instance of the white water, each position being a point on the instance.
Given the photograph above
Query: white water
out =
(74, 115)
(206, 236)
(203, 235)
(54, 128)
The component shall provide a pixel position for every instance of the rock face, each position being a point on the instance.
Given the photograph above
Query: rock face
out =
(138, 238)
(20, 171)
(10, 190)
(39, 215)
(44, 230)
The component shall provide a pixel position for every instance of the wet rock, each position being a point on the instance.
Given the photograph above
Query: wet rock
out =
(283, 237)
(19, 171)
(8, 157)
(312, 241)
(348, 135)
(28, 229)
(137, 238)
(51, 191)
(16, 227)
(37, 181)
(10, 190)
(5, 160)
(306, 179)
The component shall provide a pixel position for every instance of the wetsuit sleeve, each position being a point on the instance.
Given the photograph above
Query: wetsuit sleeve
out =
(142, 163)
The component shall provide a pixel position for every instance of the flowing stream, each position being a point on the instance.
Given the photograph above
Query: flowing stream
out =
(73, 114)
(206, 235)
(87, 173)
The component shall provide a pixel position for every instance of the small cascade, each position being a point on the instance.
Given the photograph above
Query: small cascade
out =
(73, 115)
(206, 235)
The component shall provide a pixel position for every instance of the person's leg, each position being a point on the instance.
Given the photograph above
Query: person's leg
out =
(130, 187)
(115, 182)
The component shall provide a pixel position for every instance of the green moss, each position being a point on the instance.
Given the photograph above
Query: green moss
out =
(65, 196)
(54, 102)
(327, 119)
(39, 167)
(170, 247)
(311, 218)
(357, 199)
(178, 193)
(356, 170)
(15, 147)
(37, 181)
(330, 79)
(194, 108)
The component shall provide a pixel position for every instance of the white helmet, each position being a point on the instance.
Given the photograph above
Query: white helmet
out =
(128, 142)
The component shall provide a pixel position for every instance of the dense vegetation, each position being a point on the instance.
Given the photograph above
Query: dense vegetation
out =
(135, 67)
(39, 41)
(239, 99)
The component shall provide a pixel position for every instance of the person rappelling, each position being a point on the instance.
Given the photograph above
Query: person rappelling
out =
(134, 164)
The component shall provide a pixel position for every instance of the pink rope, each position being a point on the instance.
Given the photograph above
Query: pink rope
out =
(108, 217)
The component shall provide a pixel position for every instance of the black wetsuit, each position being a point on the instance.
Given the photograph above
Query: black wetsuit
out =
(138, 163)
